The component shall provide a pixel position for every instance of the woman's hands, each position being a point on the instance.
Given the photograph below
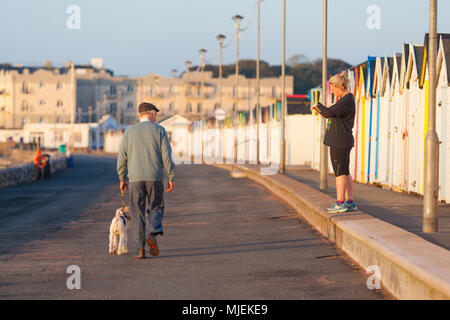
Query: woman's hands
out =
(316, 109)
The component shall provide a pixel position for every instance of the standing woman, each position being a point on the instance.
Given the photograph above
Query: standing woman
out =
(339, 137)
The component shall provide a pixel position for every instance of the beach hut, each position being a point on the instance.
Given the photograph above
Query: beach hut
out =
(395, 162)
(415, 118)
(370, 138)
(356, 125)
(403, 150)
(443, 116)
(387, 149)
(379, 120)
(351, 77)
(360, 135)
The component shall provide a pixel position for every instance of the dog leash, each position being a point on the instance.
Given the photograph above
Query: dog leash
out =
(123, 202)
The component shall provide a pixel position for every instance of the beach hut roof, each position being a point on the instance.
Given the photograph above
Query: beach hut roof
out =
(444, 36)
(390, 66)
(444, 45)
(415, 61)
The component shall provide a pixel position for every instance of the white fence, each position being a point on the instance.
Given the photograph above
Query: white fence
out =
(217, 145)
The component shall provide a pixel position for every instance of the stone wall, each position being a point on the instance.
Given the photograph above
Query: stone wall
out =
(27, 173)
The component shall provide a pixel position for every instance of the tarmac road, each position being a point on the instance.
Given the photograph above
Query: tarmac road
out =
(224, 238)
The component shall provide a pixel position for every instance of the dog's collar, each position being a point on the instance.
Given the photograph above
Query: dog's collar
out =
(124, 220)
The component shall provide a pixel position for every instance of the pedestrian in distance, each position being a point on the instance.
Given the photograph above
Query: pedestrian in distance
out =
(144, 155)
(339, 137)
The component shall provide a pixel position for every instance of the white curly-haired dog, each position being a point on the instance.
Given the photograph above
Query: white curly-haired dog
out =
(118, 232)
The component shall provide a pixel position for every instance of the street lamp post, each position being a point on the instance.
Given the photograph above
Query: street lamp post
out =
(73, 106)
(221, 38)
(202, 67)
(283, 98)
(98, 125)
(258, 109)
(430, 196)
(237, 22)
(323, 148)
(203, 123)
(119, 108)
(174, 75)
(188, 65)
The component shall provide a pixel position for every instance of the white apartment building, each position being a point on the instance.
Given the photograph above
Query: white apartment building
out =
(49, 95)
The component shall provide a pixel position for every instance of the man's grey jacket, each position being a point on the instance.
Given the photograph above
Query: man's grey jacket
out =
(144, 153)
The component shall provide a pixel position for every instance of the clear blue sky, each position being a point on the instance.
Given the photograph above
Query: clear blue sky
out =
(137, 37)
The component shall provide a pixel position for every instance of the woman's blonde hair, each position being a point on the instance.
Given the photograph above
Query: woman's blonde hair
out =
(339, 80)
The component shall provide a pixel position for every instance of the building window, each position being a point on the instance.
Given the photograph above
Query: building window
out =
(129, 88)
(25, 105)
(188, 91)
(58, 119)
(234, 107)
(42, 84)
(234, 91)
(216, 106)
(24, 120)
(42, 120)
(42, 103)
(188, 107)
(58, 86)
(274, 92)
(152, 90)
(199, 108)
(171, 107)
(113, 90)
(130, 105)
(113, 108)
(171, 89)
(25, 87)
(59, 104)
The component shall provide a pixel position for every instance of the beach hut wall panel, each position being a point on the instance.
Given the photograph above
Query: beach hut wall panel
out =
(389, 95)
(370, 120)
(351, 76)
(404, 112)
(395, 161)
(443, 118)
(377, 119)
(414, 123)
(385, 116)
(356, 125)
(361, 126)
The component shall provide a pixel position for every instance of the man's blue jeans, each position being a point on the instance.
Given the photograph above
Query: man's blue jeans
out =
(153, 192)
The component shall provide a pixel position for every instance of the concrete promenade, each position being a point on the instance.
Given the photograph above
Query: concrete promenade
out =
(384, 233)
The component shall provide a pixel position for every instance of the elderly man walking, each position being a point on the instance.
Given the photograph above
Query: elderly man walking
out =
(144, 154)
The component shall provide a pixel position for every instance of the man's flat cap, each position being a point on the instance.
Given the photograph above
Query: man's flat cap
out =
(145, 107)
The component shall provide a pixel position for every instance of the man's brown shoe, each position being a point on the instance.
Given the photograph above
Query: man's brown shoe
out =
(153, 245)
(141, 254)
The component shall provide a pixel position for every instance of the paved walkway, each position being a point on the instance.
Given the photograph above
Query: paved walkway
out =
(224, 238)
(399, 209)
